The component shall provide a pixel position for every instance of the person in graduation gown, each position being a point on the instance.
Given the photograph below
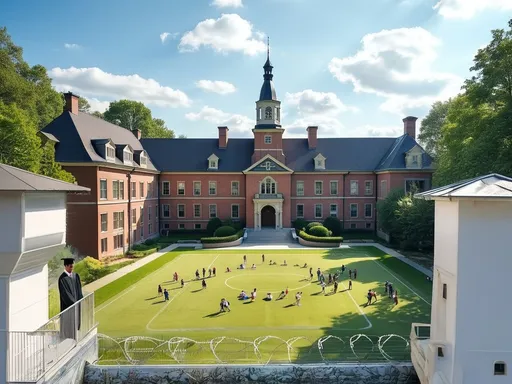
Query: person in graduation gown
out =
(70, 291)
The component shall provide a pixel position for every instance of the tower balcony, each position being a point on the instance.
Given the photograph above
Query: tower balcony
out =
(427, 355)
(269, 196)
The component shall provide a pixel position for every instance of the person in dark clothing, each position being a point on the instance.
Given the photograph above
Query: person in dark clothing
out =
(390, 290)
(214, 271)
(263, 259)
(166, 295)
(342, 269)
(197, 274)
(204, 273)
(209, 272)
(355, 274)
(330, 279)
(335, 286)
(350, 274)
(204, 284)
(182, 283)
(350, 284)
(70, 291)
(159, 290)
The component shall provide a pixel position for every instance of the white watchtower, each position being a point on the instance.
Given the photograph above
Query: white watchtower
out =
(469, 340)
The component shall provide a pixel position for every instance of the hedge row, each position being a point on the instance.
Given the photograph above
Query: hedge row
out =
(308, 237)
(225, 239)
(136, 253)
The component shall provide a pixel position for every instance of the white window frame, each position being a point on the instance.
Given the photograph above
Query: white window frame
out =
(197, 226)
(106, 222)
(166, 185)
(331, 183)
(141, 189)
(238, 211)
(357, 210)
(335, 211)
(299, 182)
(210, 183)
(194, 188)
(321, 211)
(134, 216)
(168, 210)
(104, 249)
(368, 187)
(297, 211)
(120, 220)
(178, 206)
(181, 226)
(263, 186)
(143, 160)
(121, 189)
(106, 189)
(268, 139)
(354, 188)
(237, 183)
(112, 157)
(115, 195)
(210, 211)
(371, 210)
(197, 216)
(213, 161)
(133, 187)
(321, 188)
(119, 236)
(127, 156)
(178, 189)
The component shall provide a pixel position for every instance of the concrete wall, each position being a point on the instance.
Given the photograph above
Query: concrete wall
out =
(342, 373)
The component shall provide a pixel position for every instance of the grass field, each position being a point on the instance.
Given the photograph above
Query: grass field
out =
(192, 313)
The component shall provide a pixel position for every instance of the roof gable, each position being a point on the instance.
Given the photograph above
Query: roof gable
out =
(268, 164)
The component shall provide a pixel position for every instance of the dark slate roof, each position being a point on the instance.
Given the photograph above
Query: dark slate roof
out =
(268, 91)
(395, 158)
(77, 135)
(15, 179)
(190, 155)
(488, 186)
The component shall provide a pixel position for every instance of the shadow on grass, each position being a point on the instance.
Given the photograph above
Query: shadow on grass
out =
(158, 302)
(151, 298)
(197, 290)
(289, 306)
(214, 314)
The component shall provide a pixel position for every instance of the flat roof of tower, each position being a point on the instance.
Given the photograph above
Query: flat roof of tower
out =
(493, 186)
(16, 179)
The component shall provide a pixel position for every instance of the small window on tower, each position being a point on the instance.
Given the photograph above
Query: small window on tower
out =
(445, 291)
(268, 113)
(500, 368)
(268, 139)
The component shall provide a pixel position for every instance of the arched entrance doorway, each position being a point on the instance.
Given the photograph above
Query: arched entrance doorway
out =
(268, 217)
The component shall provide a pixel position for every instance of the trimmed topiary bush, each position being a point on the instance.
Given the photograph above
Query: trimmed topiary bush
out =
(311, 225)
(308, 237)
(300, 224)
(319, 231)
(333, 224)
(224, 231)
(227, 239)
(213, 225)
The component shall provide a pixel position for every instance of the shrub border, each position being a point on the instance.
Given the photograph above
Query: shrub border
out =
(225, 239)
(315, 239)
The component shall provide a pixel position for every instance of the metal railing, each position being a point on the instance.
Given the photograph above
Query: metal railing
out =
(268, 196)
(32, 353)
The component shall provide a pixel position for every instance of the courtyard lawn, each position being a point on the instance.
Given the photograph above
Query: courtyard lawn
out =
(134, 308)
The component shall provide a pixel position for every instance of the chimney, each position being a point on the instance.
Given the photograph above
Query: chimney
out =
(410, 126)
(312, 136)
(71, 102)
(223, 137)
(137, 133)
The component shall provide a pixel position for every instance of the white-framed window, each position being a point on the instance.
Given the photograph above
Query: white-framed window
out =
(149, 190)
(235, 211)
(333, 210)
(118, 220)
(300, 211)
(212, 210)
(181, 211)
(318, 211)
(415, 160)
(181, 226)
(368, 210)
(121, 190)
(166, 188)
(141, 216)
(143, 160)
(103, 189)
(368, 225)
(213, 162)
(149, 214)
(268, 186)
(127, 156)
(118, 241)
(334, 187)
(104, 222)
(384, 189)
(197, 210)
(354, 187)
(353, 210)
(104, 245)
(212, 188)
(134, 189)
(181, 188)
(166, 212)
(197, 188)
(115, 189)
(134, 216)
(319, 187)
(368, 187)
(300, 188)
(110, 152)
(235, 188)
(268, 139)
(319, 161)
(197, 226)
(141, 189)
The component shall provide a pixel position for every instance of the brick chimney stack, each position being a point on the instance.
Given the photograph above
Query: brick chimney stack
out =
(137, 133)
(410, 126)
(223, 137)
(71, 102)
(312, 136)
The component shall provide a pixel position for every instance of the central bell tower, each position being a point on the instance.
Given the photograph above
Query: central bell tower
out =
(268, 134)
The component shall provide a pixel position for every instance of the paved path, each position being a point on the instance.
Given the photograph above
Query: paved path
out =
(132, 267)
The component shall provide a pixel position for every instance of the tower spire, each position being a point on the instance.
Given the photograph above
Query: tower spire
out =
(268, 48)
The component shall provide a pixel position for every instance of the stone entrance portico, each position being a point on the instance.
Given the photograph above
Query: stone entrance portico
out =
(262, 201)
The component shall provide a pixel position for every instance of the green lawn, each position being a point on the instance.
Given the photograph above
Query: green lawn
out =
(131, 307)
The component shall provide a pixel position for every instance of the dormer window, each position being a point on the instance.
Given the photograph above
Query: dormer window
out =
(413, 158)
(110, 152)
(143, 160)
(213, 162)
(319, 161)
(127, 155)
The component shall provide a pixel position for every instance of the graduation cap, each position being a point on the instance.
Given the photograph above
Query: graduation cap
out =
(68, 260)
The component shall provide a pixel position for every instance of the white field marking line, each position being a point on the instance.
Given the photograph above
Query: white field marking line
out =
(148, 325)
(358, 307)
(269, 274)
(125, 291)
(117, 297)
(405, 285)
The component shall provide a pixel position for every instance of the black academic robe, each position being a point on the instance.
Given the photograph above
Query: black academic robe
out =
(70, 290)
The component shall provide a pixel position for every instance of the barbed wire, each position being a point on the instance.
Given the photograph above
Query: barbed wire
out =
(263, 350)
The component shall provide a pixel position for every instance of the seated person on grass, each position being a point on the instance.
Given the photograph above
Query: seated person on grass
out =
(268, 297)
(253, 266)
(281, 296)
(243, 296)
(241, 266)
(284, 263)
(228, 269)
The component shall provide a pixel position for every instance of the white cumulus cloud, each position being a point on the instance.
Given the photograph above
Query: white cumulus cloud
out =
(227, 3)
(71, 46)
(236, 123)
(97, 105)
(216, 86)
(93, 82)
(397, 65)
(165, 36)
(467, 9)
(229, 33)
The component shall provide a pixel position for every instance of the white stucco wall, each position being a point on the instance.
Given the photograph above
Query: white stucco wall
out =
(10, 222)
(45, 214)
(28, 304)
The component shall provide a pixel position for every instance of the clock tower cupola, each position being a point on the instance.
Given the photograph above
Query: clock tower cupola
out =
(268, 108)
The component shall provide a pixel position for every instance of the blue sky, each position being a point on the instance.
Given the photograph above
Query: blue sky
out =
(354, 68)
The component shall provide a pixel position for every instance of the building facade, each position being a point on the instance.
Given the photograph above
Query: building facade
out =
(264, 181)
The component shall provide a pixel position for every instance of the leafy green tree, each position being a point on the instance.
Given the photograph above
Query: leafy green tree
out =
(49, 167)
(430, 135)
(159, 129)
(98, 114)
(386, 208)
(83, 105)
